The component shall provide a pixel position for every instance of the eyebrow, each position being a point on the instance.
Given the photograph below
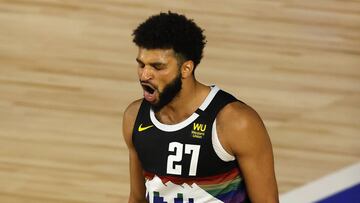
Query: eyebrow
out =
(152, 64)
(139, 61)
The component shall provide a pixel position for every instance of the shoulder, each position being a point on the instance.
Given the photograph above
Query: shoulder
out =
(132, 109)
(129, 118)
(238, 115)
(240, 128)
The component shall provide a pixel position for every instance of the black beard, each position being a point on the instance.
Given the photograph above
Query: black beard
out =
(169, 93)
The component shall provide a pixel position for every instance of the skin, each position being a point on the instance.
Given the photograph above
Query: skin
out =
(246, 139)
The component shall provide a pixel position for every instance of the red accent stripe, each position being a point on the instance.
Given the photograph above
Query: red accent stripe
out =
(216, 179)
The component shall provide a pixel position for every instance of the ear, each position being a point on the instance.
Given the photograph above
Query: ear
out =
(187, 69)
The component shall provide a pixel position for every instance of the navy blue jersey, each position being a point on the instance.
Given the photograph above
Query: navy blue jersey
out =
(185, 162)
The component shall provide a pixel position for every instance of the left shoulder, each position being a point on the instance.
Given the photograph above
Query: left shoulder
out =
(239, 115)
(240, 128)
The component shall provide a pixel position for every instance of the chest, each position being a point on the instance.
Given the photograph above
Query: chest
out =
(183, 152)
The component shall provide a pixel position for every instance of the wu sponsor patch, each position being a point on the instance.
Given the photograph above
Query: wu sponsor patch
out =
(198, 130)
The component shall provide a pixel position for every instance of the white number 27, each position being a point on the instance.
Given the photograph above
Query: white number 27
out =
(177, 147)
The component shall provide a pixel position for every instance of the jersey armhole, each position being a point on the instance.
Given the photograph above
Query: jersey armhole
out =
(219, 149)
(139, 116)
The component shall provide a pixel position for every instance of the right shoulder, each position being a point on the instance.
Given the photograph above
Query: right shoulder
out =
(132, 110)
(129, 118)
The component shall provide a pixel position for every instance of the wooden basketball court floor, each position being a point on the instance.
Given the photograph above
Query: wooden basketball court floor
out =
(68, 70)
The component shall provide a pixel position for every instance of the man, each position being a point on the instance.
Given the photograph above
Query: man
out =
(189, 142)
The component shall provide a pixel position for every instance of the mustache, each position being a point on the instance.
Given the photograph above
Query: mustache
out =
(145, 83)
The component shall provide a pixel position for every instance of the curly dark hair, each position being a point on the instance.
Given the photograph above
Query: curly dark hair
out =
(172, 31)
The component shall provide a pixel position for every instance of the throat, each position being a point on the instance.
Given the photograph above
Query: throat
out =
(171, 116)
(183, 106)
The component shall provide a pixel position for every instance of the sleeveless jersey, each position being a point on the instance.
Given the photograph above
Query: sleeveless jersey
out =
(185, 162)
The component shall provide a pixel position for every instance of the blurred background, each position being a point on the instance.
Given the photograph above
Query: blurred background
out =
(68, 71)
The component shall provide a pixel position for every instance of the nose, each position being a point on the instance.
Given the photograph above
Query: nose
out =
(146, 73)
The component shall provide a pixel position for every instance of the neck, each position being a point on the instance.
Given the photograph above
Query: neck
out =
(190, 97)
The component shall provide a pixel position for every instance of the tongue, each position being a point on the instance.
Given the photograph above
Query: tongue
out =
(149, 97)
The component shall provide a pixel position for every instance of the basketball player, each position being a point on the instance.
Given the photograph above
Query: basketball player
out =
(189, 142)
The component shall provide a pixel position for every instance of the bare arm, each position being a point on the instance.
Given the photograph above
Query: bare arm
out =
(243, 134)
(137, 181)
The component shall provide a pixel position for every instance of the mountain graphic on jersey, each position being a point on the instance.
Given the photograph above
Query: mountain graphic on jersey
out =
(227, 188)
(171, 193)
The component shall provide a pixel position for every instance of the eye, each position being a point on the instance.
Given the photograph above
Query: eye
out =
(158, 66)
(141, 65)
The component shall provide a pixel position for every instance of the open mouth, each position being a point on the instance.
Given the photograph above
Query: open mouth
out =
(148, 88)
(149, 92)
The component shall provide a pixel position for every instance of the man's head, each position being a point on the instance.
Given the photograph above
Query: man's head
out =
(172, 31)
(170, 47)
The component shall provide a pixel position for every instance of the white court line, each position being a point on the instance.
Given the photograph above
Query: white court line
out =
(324, 186)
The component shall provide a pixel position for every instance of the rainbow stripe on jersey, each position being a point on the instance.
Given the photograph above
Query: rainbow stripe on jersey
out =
(228, 187)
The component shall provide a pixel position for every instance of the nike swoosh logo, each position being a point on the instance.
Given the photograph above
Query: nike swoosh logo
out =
(144, 128)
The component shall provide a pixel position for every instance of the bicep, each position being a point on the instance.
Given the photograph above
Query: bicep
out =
(137, 181)
(255, 158)
(257, 166)
(248, 140)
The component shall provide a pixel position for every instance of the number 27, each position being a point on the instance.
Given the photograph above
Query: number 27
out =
(177, 147)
